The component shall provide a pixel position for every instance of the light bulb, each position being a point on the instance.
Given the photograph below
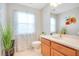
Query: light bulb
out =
(54, 4)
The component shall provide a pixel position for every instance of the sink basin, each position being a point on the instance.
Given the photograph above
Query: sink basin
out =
(57, 36)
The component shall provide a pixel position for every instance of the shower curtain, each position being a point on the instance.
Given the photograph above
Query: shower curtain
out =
(23, 41)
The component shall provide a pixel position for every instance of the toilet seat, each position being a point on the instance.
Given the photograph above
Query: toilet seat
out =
(36, 44)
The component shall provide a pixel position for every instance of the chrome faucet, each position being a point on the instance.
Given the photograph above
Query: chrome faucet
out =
(60, 35)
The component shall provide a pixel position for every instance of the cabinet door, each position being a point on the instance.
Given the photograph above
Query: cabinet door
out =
(45, 50)
(56, 53)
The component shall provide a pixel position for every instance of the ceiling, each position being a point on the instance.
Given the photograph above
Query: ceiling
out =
(64, 7)
(59, 9)
(38, 6)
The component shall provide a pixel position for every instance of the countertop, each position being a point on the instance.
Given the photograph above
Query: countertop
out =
(67, 40)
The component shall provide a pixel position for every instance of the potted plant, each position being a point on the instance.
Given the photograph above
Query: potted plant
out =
(8, 43)
(64, 30)
(44, 33)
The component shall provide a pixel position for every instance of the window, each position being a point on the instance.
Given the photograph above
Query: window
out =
(52, 25)
(25, 23)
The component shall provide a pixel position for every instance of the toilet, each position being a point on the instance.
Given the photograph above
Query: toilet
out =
(36, 45)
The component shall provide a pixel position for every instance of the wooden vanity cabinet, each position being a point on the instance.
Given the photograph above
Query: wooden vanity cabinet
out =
(51, 48)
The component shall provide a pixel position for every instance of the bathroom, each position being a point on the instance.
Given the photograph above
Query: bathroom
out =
(30, 21)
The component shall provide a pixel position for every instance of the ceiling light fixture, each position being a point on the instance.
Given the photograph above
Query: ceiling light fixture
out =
(54, 4)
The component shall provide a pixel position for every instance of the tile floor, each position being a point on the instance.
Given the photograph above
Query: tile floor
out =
(29, 52)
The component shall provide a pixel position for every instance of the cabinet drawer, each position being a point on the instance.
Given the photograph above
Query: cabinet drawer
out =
(56, 53)
(63, 49)
(47, 42)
